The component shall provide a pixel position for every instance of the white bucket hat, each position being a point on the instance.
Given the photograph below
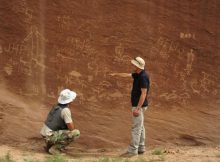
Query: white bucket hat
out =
(66, 96)
(138, 62)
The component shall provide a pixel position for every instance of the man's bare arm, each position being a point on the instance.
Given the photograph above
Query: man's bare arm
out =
(141, 101)
(70, 126)
(142, 97)
(121, 74)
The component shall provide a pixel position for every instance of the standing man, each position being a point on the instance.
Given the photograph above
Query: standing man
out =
(58, 129)
(140, 89)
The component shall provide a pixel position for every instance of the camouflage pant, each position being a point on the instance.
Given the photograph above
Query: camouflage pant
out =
(62, 138)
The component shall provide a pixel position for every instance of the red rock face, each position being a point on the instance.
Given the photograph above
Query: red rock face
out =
(46, 46)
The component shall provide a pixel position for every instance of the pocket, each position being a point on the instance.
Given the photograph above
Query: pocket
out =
(145, 108)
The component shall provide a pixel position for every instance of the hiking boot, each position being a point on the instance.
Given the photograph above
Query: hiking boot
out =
(141, 152)
(53, 150)
(62, 149)
(47, 147)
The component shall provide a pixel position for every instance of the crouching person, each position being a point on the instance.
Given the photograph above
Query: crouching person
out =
(58, 129)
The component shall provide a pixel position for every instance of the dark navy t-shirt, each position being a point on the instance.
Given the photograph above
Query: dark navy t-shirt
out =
(141, 80)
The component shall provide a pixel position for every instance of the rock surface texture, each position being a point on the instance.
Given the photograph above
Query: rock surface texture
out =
(48, 45)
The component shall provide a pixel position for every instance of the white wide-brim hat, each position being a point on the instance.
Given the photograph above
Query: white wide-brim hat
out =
(138, 62)
(66, 96)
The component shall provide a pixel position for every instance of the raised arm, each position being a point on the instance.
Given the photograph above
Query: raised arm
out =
(121, 74)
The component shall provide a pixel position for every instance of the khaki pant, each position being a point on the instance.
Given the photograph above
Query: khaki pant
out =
(137, 133)
(62, 138)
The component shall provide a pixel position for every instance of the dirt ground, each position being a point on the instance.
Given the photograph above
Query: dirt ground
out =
(169, 154)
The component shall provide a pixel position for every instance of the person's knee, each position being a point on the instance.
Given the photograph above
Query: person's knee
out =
(74, 134)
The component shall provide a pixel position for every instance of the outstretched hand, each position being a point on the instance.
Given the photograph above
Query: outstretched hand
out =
(120, 74)
(112, 74)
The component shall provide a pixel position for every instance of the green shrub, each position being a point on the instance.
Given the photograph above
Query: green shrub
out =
(30, 160)
(6, 158)
(56, 158)
(126, 160)
(157, 152)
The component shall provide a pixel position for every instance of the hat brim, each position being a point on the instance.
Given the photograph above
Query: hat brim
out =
(72, 97)
(135, 63)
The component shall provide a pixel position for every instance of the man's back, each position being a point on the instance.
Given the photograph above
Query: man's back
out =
(54, 120)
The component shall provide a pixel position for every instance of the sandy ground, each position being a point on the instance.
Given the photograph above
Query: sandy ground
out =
(170, 154)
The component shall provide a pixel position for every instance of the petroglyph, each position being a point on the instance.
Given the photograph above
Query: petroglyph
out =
(182, 74)
(174, 46)
(100, 90)
(31, 60)
(51, 95)
(77, 47)
(32, 91)
(183, 80)
(117, 94)
(182, 98)
(120, 56)
(119, 50)
(29, 14)
(204, 84)
(15, 49)
(187, 35)
(35, 89)
(190, 59)
(82, 83)
(91, 66)
(78, 44)
(195, 86)
(64, 22)
(105, 71)
(28, 52)
(61, 54)
(169, 96)
(36, 39)
(81, 97)
(8, 69)
(105, 85)
(165, 47)
(75, 74)
(75, 78)
(22, 7)
(96, 70)
(36, 63)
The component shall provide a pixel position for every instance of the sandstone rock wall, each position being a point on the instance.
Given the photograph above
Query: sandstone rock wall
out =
(48, 45)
